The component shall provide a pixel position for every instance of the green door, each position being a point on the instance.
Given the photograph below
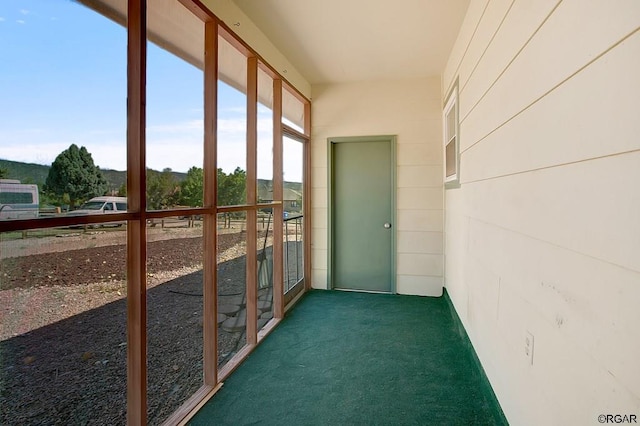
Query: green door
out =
(362, 209)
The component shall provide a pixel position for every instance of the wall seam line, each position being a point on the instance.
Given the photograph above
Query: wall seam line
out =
(535, 101)
(513, 231)
(468, 44)
(526, 43)
(568, 163)
(420, 275)
(487, 47)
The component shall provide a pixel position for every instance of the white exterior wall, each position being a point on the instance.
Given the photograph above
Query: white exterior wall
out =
(411, 110)
(543, 234)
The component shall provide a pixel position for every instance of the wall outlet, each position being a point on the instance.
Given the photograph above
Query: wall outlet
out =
(528, 347)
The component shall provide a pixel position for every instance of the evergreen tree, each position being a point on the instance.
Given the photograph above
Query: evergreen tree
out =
(162, 189)
(191, 188)
(75, 177)
(122, 191)
(232, 190)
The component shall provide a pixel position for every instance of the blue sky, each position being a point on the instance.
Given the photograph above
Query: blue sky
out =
(63, 81)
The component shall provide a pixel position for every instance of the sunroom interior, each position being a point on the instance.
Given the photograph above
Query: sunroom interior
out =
(473, 160)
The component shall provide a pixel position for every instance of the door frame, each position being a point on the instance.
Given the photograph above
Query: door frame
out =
(331, 143)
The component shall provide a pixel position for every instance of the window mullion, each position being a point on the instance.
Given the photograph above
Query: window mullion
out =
(252, 179)
(278, 228)
(136, 229)
(210, 289)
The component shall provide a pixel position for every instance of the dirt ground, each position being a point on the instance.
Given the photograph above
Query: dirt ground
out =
(63, 327)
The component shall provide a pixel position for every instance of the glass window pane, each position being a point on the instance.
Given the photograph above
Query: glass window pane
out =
(292, 203)
(232, 127)
(63, 342)
(451, 123)
(292, 111)
(232, 289)
(450, 153)
(64, 88)
(265, 267)
(175, 126)
(265, 138)
(174, 314)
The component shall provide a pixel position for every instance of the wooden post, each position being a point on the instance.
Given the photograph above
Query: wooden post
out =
(210, 231)
(252, 198)
(136, 229)
(306, 193)
(278, 274)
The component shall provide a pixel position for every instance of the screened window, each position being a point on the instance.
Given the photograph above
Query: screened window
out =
(170, 110)
(451, 138)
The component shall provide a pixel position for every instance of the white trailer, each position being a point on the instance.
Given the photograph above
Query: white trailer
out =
(18, 200)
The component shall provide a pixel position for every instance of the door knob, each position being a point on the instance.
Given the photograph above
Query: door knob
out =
(387, 225)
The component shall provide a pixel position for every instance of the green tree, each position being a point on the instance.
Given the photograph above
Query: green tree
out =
(4, 173)
(232, 187)
(75, 177)
(122, 191)
(232, 190)
(162, 189)
(191, 188)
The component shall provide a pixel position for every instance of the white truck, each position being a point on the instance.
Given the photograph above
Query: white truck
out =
(18, 200)
(102, 205)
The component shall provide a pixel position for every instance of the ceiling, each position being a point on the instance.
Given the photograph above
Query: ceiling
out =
(333, 41)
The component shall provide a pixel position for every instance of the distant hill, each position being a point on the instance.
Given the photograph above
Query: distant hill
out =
(117, 178)
(25, 172)
(37, 173)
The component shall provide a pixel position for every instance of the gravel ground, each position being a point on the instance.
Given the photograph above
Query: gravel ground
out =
(63, 330)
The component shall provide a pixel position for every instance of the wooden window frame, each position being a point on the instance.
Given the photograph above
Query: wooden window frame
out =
(137, 213)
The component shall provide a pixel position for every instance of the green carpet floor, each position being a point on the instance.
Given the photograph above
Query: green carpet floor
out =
(341, 358)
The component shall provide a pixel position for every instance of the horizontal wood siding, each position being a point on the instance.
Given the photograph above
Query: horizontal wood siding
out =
(542, 235)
